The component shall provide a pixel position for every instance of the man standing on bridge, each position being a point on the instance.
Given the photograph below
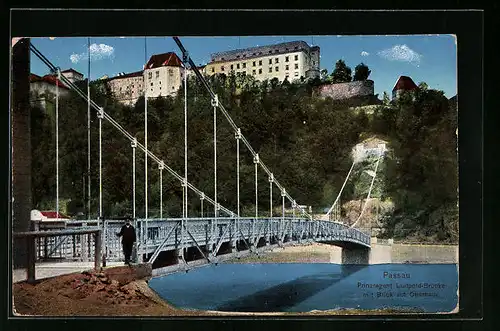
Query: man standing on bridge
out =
(128, 239)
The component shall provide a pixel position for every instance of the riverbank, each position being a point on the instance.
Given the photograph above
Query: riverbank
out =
(380, 253)
(88, 294)
(312, 253)
(96, 294)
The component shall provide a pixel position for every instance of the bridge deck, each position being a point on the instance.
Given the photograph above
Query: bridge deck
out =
(207, 234)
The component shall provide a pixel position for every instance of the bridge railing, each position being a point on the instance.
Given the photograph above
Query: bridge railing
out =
(198, 231)
(58, 238)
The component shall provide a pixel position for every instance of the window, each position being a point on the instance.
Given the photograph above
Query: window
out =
(222, 68)
(314, 63)
(160, 87)
(270, 51)
(270, 69)
(173, 88)
(238, 56)
(286, 58)
(296, 66)
(244, 55)
(260, 71)
(296, 47)
(296, 57)
(276, 51)
(151, 83)
(151, 90)
(276, 60)
(260, 62)
(237, 66)
(244, 65)
(270, 61)
(286, 77)
(253, 63)
(222, 59)
(253, 71)
(286, 67)
(171, 72)
(157, 73)
(213, 69)
(150, 75)
(231, 67)
(276, 69)
(296, 74)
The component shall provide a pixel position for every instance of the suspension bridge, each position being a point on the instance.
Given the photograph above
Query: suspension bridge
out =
(190, 240)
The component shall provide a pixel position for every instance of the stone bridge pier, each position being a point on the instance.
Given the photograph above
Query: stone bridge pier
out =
(355, 254)
(350, 253)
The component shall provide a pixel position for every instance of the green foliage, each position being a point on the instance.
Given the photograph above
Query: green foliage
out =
(421, 175)
(341, 73)
(325, 78)
(361, 72)
(304, 140)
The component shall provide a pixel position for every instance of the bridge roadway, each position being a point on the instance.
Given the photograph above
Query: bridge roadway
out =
(208, 239)
(208, 235)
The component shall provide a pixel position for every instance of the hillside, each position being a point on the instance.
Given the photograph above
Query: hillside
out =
(305, 141)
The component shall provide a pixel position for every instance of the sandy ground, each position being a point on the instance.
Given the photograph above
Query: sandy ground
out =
(313, 253)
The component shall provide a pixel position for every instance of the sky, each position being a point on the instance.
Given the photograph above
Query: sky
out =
(425, 58)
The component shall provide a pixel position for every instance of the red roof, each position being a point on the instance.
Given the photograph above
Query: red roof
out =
(404, 83)
(53, 214)
(34, 78)
(51, 79)
(165, 59)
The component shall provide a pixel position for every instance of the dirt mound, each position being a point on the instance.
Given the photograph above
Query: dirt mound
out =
(99, 285)
(111, 292)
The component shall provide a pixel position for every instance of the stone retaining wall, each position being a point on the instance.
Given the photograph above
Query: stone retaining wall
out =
(347, 90)
(404, 253)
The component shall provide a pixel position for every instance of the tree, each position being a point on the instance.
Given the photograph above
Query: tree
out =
(341, 73)
(422, 177)
(324, 75)
(361, 72)
(386, 100)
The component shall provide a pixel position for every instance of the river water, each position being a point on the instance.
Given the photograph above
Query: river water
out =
(302, 287)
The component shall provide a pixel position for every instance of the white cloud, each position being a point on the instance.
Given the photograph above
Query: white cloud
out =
(97, 52)
(400, 53)
(363, 53)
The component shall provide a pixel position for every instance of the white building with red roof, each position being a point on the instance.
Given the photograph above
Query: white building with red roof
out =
(47, 84)
(163, 75)
(403, 84)
(48, 219)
